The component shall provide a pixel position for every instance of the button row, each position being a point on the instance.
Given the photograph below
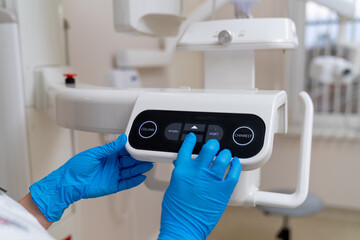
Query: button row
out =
(242, 136)
(173, 131)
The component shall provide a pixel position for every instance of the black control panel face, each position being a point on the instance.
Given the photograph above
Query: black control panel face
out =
(158, 130)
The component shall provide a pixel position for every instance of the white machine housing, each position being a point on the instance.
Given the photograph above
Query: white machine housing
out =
(276, 33)
(156, 17)
(112, 111)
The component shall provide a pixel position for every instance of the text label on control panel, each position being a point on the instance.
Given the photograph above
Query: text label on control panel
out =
(243, 136)
(147, 129)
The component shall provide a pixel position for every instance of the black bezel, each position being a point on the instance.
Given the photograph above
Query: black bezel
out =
(228, 121)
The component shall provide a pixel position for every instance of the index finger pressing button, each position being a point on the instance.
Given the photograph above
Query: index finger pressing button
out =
(199, 138)
(186, 149)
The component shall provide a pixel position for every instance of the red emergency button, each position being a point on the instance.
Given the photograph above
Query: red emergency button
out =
(70, 78)
(70, 75)
(68, 238)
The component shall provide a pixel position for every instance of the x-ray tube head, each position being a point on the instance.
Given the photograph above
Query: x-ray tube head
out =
(161, 18)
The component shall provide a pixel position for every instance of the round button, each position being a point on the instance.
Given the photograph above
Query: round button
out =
(147, 129)
(243, 136)
(225, 37)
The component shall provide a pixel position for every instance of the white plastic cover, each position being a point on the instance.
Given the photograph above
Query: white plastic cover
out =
(159, 18)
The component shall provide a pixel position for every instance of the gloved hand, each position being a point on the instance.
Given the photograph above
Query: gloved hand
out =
(93, 173)
(198, 193)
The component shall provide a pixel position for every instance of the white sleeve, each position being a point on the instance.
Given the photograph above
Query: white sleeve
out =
(17, 223)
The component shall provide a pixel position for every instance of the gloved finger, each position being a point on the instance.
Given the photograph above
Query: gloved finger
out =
(131, 182)
(126, 162)
(186, 149)
(110, 148)
(135, 170)
(208, 152)
(234, 171)
(221, 163)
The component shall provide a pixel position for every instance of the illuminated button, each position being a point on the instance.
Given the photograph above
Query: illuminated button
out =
(199, 138)
(214, 132)
(147, 129)
(243, 136)
(194, 127)
(172, 132)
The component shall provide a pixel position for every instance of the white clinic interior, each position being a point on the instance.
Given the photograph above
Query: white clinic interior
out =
(92, 45)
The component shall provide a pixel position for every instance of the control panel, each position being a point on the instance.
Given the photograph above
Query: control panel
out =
(243, 122)
(164, 131)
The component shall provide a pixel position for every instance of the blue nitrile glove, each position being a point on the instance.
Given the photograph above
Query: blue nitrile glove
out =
(198, 193)
(93, 173)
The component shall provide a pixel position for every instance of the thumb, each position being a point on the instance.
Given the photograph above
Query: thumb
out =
(110, 148)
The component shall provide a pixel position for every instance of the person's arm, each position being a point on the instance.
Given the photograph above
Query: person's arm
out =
(199, 191)
(96, 172)
(33, 209)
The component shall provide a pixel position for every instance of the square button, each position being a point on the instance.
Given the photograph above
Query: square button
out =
(194, 127)
(214, 132)
(199, 138)
(172, 131)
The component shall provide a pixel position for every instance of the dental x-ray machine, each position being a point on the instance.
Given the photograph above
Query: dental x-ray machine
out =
(243, 119)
